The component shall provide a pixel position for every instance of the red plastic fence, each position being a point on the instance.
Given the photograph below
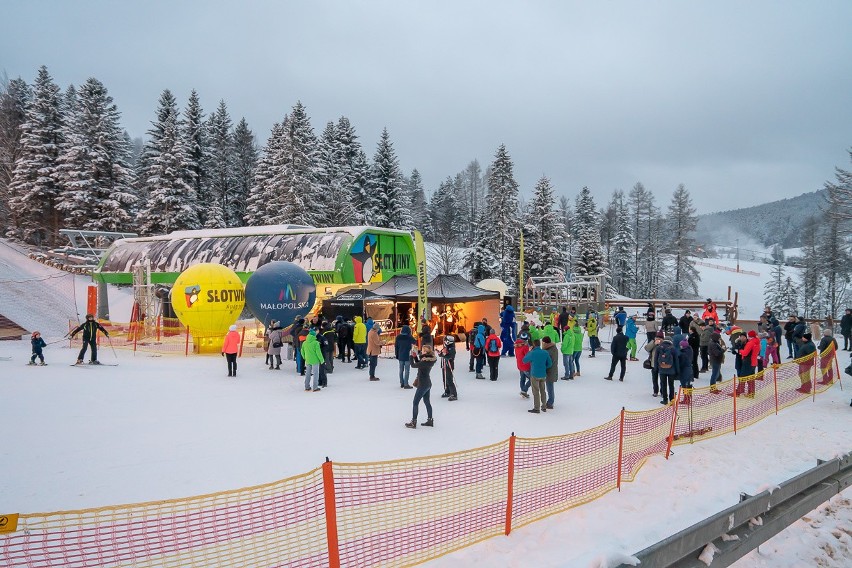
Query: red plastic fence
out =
(405, 512)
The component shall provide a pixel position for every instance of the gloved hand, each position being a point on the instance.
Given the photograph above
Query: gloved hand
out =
(106, 334)
(223, 353)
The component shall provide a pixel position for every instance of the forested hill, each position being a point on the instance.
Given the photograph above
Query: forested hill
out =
(769, 223)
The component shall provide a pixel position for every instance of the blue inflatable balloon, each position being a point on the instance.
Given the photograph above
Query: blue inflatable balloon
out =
(280, 291)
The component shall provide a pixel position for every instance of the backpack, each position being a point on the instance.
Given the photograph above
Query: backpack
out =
(665, 358)
(492, 346)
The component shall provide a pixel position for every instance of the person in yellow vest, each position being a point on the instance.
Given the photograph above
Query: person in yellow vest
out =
(592, 330)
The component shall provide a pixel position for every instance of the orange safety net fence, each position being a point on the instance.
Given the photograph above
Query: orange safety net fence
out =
(406, 512)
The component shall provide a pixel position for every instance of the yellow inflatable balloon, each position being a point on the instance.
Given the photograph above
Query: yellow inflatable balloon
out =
(208, 298)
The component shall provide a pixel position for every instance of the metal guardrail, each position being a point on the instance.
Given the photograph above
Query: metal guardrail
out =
(777, 510)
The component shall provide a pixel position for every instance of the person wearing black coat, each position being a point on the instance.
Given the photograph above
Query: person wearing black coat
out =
(798, 333)
(685, 364)
(788, 335)
(329, 334)
(694, 340)
(344, 340)
(90, 329)
(669, 323)
(684, 321)
(423, 382)
(846, 329)
(448, 366)
(618, 349)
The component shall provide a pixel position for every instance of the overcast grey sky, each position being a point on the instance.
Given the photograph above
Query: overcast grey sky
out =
(742, 101)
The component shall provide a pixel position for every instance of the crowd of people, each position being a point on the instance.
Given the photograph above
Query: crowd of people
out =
(677, 350)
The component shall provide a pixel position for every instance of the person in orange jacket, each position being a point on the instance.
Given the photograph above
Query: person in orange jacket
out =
(230, 348)
(492, 350)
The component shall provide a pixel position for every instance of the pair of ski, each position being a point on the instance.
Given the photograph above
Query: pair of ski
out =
(87, 365)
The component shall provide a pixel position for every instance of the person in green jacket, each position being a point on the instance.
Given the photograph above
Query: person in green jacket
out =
(578, 347)
(550, 331)
(535, 333)
(567, 350)
(313, 357)
(592, 330)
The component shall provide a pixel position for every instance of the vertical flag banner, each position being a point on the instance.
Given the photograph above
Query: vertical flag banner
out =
(422, 299)
(521, 278)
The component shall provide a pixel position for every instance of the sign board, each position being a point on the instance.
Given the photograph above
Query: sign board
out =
(8, 523)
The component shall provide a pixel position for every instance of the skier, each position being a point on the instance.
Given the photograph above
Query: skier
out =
(448, 365)
(90, 329)
(230, 347)
(37, 344)
(276, 341)
(423, 383)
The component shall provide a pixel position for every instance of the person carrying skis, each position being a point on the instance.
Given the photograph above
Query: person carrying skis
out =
(90, 329)
(37, 344)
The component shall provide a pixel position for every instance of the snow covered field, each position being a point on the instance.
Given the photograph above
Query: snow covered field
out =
(171, 426)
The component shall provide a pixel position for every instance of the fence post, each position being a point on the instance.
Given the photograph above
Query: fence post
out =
(159, 320)
(775, 380)
(330, 514)
(186, 346)
(510, 491)
(814, 377)
(736, 385)
(135, 339)
(242, 340)
(837, 369)
(674, 423)
(621, 446)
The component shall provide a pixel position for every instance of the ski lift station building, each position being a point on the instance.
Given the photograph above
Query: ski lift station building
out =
(335, 257)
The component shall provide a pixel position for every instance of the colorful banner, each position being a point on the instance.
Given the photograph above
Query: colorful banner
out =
(422, 299)
(521, 288)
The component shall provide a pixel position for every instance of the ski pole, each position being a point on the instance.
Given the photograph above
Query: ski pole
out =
(111, 347)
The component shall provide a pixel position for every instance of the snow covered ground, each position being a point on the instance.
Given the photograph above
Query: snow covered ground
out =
(172, 426)
(714, 283)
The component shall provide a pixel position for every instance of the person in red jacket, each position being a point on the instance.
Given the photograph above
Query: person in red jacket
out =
(710, 312)
(230, 348)
(750, 354)
(522, 347)
(492, 350)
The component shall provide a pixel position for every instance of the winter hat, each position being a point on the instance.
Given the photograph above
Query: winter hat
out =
(313, 332)
(524, 335)
(807, 336)
(684, 344)
(233, 328)
(546, 339)
(752, 333)
(449, 340)
(716, 333)
(660, 335)
(618, 329)
(36, 333)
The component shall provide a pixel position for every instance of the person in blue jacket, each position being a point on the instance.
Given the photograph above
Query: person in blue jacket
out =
(37, 344)
(507, 331)
(402, 350)
(479, 350)
(620, 316)
(631, 330)
(540, 362)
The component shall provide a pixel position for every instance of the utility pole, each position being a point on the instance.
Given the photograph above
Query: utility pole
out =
(738, 255)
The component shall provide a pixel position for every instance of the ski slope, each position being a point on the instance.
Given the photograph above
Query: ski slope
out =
(715, 281)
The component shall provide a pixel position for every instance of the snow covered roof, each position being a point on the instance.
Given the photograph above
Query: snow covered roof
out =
(260, 230)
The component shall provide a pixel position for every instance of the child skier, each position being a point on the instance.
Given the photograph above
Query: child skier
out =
(38, 344)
